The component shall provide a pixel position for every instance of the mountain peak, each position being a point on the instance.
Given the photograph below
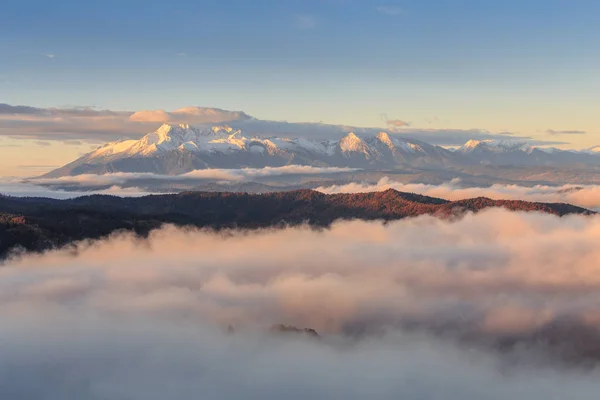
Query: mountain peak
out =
(161, 135)
(221, 128)
(167, 127)
(495, 145)
(179, 148)
(167, 131)
(384, 138)
(352, 143)
(473, 144)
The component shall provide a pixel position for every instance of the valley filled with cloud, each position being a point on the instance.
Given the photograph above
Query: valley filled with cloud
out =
(494, 305)
(319, 199)
(587, 196)
(288, 178)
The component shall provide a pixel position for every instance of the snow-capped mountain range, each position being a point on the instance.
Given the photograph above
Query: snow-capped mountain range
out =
(175, 149)
(506, 152)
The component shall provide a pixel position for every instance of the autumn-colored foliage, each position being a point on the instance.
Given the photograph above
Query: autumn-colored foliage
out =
(38, 223)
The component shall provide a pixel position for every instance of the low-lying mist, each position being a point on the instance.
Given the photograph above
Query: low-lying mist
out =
(587, 196)
(141, 184)
(491, 306)
(212, 174)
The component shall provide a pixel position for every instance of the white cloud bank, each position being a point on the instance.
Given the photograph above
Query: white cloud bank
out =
(123, 184)
(587, 196)
(130, 319)
(211, 174)
(17, 188)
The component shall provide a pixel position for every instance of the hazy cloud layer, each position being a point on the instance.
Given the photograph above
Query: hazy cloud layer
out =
(441, 137)
(188, 115)
(218, 175)
(587, 196)
(101, 126)
(18, 188)
(396, 124)
(7, 109)
(458, 137)
(130, 319)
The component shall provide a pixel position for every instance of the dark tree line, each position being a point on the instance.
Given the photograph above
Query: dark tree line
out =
(36, 224)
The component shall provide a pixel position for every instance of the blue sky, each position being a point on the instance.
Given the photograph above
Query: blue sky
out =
(525, 66)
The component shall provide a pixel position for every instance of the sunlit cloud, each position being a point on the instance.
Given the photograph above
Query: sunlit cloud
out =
(587, 196)
(397, 124)
(127, 184)
(495, 305)
(212, 174)
(18, 188)
(101, 126)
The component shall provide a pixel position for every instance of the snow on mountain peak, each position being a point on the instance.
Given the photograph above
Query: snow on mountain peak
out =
(226, 140)
(221, 128)
(183, 147)
(165, 136)
(165, 129)
(396, 144)
(473, 143)
(113, 148)
(352, 143)
(209, 142)
(384, 138)
(495, 146)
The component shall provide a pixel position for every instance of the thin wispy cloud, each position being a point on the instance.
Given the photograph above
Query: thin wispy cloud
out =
(73, 142)
(50, 55)
(117, 318)
(391, 10)
(35, 166)
(568, 132)
(305, 21)
(397, 123)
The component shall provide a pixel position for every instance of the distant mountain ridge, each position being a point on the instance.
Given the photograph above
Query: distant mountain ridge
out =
(177, 149)
(507, 152)
(36, 224)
